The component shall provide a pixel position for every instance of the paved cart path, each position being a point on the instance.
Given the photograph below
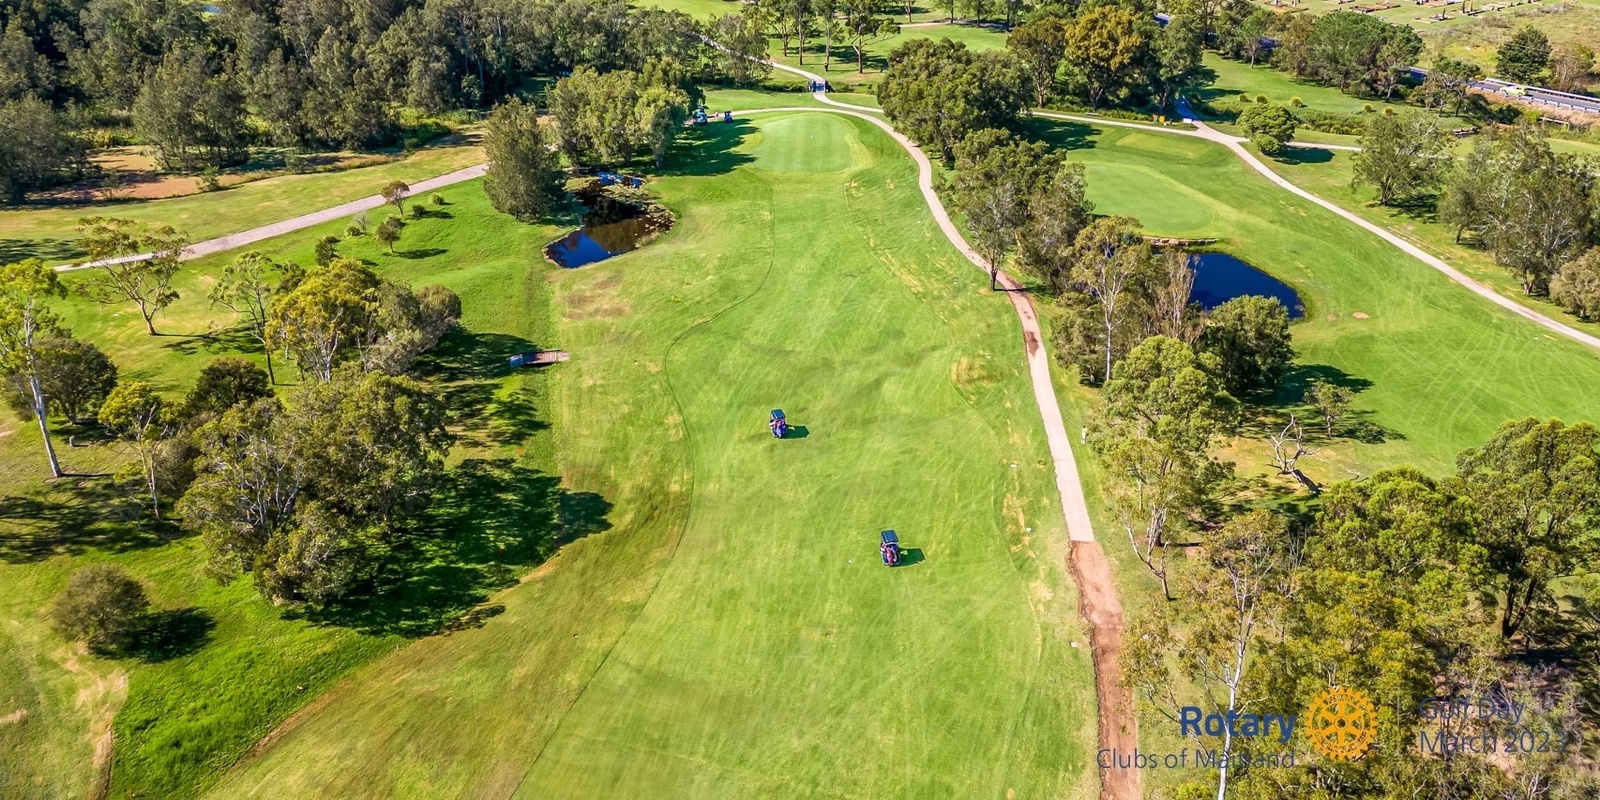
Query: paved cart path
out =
(253, 235)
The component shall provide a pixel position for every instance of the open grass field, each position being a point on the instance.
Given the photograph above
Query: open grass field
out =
(1437, 368)
(50, 232)
(185, 713)
(1478, 39)
(1234, 78)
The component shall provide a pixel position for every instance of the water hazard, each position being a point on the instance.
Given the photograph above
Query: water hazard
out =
(1219, 277)
(592, 243)
(613, 226)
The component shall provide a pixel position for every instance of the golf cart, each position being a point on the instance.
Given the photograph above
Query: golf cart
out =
(779, 424)
(890, 549)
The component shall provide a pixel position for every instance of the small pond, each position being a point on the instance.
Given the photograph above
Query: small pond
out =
(611, 228)
(1219, 277)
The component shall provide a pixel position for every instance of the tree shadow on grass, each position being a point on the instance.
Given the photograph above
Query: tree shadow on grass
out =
(709, 149)
(71, 516)
(468, 369)
(492, 521)
(1265, 416)
(421, 252)
(1058, 133)
(174, 633)
(223, 342)
(1303, 154)
(13, 250)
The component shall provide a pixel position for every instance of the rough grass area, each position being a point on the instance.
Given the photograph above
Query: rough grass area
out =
(732, 633)
(234, 666)
(50, 231)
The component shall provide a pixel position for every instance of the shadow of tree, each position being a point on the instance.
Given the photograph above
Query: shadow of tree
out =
(12, 250)
(173, 634)
(1303, 154)
(709, 149)
(492, 520)
(468, 370)
(1058, 133)
(69, 517)
(421, 252)
(1264, 416)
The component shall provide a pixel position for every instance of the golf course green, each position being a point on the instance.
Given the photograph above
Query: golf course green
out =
(731, 632)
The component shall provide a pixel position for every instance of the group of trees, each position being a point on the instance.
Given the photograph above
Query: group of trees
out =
(306, 498)
(1350, 50)
(321, 319)
(201, 83)
(1534, 209)
(1408, 587)
(1109, 53)
(939, 92)
(603, 119)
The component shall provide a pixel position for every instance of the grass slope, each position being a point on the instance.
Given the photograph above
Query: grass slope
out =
(191, 711)
(50, 232)
(1328, 174)
(732, 634)
(1438, 368)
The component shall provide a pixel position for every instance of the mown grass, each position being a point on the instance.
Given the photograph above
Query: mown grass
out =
(732, 634)
(1437, 367)
(1328, 174)
(239, 666)
(50, 232)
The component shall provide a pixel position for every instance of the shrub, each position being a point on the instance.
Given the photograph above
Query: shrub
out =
(353, 230)
(103, 607)
(1366, 108)
(436, 199)
(325, 252)
(1261, 98)
(418, 211)
(210, 180)
(1296, 102)
(1267, 143)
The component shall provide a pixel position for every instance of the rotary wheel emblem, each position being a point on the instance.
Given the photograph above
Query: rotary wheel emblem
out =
(1343, 723)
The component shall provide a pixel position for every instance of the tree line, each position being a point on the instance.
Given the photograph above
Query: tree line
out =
(201, 85)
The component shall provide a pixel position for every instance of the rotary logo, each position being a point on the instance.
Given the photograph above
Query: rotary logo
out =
(1343, 723)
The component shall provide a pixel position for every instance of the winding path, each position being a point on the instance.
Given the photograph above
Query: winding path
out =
(253, 235)
(1097, 593)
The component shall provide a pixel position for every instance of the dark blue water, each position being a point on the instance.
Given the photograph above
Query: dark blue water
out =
(1219, 277)
(593, 243)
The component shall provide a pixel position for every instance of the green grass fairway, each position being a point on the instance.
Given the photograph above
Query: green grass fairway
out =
(50, 232)
(1444, 367)
(733, 634)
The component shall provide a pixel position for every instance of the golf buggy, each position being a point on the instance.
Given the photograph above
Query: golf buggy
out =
(779, 424)
(890, 549)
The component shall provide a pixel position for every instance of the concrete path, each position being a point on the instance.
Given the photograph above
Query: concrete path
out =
(233, 240)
